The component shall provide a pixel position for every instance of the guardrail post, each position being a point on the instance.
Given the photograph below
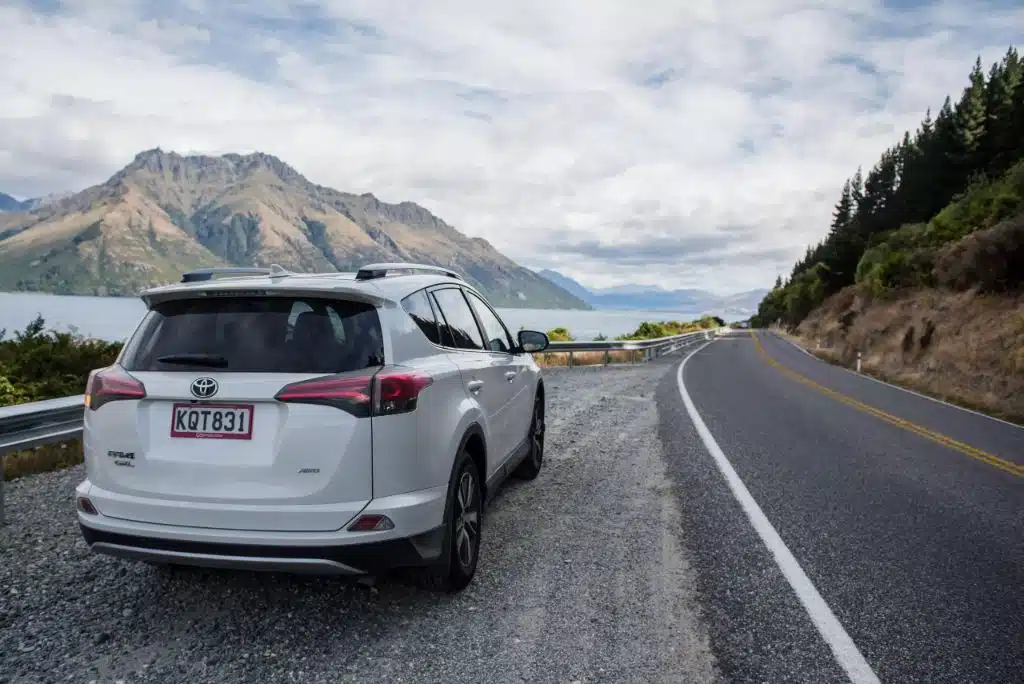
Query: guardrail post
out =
(3, 462)
(607, 357)
(570, 359)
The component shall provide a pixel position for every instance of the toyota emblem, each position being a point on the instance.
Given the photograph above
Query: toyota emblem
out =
(204, 388)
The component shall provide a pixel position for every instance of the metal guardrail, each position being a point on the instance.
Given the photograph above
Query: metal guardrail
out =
(650, 348)
(25, 426)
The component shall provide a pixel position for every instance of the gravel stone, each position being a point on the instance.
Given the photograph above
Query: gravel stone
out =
(584, 577)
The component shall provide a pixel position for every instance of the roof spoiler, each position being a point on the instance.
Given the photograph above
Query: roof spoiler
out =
(202, 274)
(372, 271)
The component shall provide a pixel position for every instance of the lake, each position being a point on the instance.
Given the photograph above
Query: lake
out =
(114, 318)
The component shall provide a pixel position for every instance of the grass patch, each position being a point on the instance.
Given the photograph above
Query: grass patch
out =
(561, 359)
(43, 459)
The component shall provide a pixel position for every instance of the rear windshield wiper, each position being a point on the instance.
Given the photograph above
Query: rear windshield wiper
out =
(211, 360)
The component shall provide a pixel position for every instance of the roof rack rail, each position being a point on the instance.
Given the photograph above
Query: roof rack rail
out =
(371, 271)
(275, 271)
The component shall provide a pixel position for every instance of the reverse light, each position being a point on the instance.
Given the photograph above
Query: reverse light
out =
(111, 384)
(371, 523)
(85, 505)
(390, 391)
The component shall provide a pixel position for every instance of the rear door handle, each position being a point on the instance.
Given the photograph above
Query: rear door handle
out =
(475, 385)
(511, 375)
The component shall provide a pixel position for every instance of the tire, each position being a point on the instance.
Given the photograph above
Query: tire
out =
(462, 521)
(531, 465)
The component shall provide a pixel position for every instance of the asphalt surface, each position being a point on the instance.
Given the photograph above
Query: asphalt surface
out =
(917, 547)
(584, 577)
(628, 560)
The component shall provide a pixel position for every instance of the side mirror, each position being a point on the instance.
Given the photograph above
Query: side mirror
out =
(531, 341)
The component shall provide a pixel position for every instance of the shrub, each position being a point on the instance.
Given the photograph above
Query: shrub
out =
(991, 259)
(983, 205)
(560, 334)
(39, 364)
(650, 330)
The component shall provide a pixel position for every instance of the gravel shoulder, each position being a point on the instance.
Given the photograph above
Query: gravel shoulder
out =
(585, 577)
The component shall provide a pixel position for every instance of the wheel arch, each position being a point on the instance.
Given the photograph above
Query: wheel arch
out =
(475, 444)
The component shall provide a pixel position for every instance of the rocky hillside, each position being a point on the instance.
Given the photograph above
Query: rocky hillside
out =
(962, 340)
(922, 270)
(165, 213)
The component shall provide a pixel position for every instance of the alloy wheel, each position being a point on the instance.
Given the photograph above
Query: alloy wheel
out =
(467, 520)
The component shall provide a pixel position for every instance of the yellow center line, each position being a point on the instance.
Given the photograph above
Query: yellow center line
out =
(975, 453)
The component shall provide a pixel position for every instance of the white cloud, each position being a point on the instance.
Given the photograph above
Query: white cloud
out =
(716, 135)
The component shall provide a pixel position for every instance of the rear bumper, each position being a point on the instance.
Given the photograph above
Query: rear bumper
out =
(415, 539)
(347, 559)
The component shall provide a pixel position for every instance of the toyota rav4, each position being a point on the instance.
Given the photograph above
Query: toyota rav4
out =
(343, 423)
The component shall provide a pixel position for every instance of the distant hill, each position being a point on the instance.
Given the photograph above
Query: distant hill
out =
(165, 213)
(567, 284)
(645, 297)
(8, 203)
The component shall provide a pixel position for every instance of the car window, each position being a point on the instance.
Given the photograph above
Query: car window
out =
(497, 337)
(458, 326)
(258, 334)
(419, 309)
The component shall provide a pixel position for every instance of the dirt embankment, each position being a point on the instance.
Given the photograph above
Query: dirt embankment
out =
(964, 347)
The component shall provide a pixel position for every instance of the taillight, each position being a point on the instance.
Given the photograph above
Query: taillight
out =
(388, 392)
(350, 394)
(397, 390)
(111, 384)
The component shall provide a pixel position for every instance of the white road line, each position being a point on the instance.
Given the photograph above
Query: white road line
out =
(904, 389)
(846, 652)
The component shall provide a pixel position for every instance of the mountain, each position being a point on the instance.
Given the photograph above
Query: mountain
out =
(37, 202)
(653, 298)
(567, 284)
(744, 303)
(166, 213)
(8, 203)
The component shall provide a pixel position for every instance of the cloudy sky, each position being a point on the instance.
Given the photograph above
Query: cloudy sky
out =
(675, 142)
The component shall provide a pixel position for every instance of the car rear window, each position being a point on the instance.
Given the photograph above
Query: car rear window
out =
(257, 335)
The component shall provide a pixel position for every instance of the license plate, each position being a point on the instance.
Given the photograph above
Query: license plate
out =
(212, 421)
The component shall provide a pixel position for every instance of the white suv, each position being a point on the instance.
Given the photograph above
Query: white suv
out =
(328, 423)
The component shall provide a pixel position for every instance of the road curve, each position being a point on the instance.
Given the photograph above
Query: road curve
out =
(904, 513)
(585, 576)
(628, 560)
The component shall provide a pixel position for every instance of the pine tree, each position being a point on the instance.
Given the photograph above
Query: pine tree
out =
(1013, 143)
(942, 156)
(970, 118)
(843, 212)
(911, 182)
(857, 190)
(918, 177)
(998, 142)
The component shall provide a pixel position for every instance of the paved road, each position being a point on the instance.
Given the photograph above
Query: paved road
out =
(917, 547)
(628, 560)
(585, 576)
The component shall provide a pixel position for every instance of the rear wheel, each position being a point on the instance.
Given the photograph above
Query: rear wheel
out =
(530, 467)
(463, 515)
